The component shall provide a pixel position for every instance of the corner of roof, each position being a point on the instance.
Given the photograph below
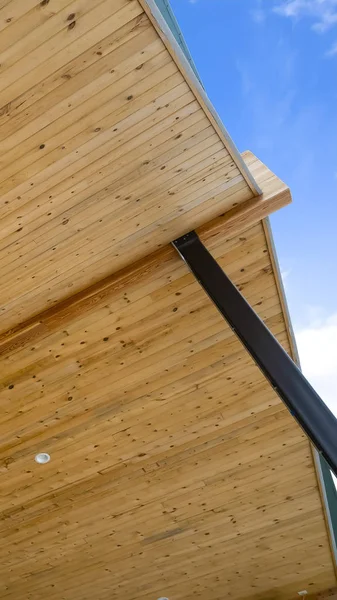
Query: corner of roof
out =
(162, 17)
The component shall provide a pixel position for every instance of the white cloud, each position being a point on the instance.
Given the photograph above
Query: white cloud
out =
(258, 14)
(317, 346)
(333, 50)
(285, 274)
(323, 13)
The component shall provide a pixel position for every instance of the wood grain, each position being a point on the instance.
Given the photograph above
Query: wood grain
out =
(170, 454)
(175, 470)
(108, 151)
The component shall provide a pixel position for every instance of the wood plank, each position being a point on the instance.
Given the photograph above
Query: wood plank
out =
(89, 61)
(14, 9)
(170, 454)
(76, 46)
(161, 424)
(58, 39)
(85, 138)
(152, 11)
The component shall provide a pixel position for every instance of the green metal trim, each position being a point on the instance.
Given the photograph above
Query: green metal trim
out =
(331, 501)
(171, 21)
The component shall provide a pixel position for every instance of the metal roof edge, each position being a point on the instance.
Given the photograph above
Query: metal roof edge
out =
(169, 16)
(329, 494)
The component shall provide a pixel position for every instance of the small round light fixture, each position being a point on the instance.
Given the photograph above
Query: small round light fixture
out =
(302, 593)
(42, 458)
(162, 598)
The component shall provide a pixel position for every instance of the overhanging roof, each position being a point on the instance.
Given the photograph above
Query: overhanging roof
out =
(101, 132)
(175, 468)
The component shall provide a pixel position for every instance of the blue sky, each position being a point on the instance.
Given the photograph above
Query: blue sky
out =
(270, 69)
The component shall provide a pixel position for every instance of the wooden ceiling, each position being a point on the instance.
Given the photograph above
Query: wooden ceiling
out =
(100, 132)
(175, 470)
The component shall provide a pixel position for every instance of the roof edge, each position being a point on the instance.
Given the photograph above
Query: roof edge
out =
(327, 490)
(159, 22)
(169, 16)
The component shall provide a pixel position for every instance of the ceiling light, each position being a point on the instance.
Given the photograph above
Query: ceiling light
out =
(302, 593)
(42, 458)
(162, 598)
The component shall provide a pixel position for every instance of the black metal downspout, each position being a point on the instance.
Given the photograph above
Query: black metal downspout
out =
(305, 405)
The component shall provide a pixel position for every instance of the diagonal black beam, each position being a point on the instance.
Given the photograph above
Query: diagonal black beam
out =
(305, 405)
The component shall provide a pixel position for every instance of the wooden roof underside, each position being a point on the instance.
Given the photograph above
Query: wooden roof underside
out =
(175, 467)
(107, 154)
(175, 471)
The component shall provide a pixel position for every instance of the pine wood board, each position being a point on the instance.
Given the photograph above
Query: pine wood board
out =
(171, 435)
(171, 455)
(109, 150)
